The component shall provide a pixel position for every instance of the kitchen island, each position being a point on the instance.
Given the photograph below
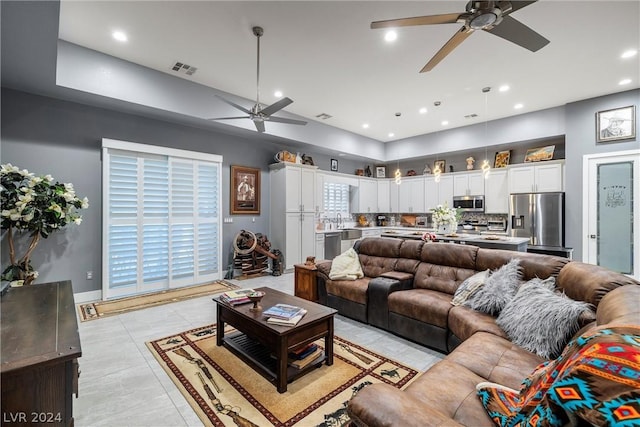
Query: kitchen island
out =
(489, 241)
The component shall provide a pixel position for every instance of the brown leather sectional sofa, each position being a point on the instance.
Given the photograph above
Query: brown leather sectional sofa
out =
(408, 288)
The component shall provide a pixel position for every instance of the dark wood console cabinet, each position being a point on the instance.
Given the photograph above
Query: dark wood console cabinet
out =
(40, 351)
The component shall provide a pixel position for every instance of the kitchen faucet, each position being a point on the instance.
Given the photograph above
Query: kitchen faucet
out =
(338, 220)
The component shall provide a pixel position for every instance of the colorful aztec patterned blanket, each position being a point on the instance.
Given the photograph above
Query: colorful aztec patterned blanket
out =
(596, 380)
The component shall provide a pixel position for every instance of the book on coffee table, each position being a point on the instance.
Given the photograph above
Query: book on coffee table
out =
(313, 357)
(282, 311)
(287, 322)
(236, 297)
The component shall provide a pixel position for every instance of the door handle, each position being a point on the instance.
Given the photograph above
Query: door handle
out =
(592, 236)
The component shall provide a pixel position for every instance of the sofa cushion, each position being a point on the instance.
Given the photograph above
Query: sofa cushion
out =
(541, 320)
(533, 265)
(590, 283)
(421, 304)
(499, 288)
(464, 322)
(441, 278)
(469, 287)
(352, 290)
(595, 380)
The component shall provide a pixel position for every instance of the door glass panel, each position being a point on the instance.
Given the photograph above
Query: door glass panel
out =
(615, 216)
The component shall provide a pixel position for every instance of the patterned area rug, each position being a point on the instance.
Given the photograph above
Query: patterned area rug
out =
(98, 310)
(237, 395)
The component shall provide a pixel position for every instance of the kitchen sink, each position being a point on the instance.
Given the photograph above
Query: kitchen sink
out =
(351, 234)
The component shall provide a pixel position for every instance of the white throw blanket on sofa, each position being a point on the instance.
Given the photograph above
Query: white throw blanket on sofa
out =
(346, 266)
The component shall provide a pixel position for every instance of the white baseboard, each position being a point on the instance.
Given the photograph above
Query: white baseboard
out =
(82, 297)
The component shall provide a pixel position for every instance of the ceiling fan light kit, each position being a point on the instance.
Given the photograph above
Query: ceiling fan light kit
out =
(490, 16)
(259, 114)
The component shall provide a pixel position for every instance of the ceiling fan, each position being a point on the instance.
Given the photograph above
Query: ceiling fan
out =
(259, 114)
(490, 16)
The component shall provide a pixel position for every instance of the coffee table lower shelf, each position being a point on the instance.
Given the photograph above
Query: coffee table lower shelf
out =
(261, 359)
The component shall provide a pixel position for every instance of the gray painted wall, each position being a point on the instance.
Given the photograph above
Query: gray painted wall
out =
(63, 139)
(580, 141)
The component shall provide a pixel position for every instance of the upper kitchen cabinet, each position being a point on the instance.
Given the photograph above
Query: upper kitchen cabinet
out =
(496, 198)
(367, 196)
(298, 184)
(538, 178)
(384, 197)
(411, 195)
(438, 193)
(468, 184)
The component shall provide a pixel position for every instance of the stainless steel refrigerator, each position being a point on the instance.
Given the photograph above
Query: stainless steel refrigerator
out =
(538, 216)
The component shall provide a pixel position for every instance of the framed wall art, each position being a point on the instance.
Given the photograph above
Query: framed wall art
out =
(539, 154)
(381, 172)
(439, 164)
(502, 159)
(616, 124)
(245, 190)
(334, 165)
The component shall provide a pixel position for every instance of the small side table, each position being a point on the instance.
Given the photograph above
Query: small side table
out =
(305, 282)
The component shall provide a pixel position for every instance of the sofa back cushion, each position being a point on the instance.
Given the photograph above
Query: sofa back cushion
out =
(533, 265)
(620, 306)
(590, 283)
(378, 255)
(444, 266)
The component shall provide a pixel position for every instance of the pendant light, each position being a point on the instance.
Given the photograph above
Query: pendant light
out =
(486, 167)
(436, 169)
(398, 174)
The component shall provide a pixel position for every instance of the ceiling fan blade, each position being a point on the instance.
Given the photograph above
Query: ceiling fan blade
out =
(516, 32)
(515, 5)
(448, 18)
(276, 106)
(288, 121)
(229, 118)
(453, 42)
(259, 125)
(233, 104)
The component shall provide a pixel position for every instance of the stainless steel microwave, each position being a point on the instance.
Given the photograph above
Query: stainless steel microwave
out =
(469, 203)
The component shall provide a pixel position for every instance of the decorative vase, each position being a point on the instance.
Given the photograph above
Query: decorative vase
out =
(448, 228)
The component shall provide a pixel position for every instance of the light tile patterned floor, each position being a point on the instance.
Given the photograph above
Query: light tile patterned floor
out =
(121, 384)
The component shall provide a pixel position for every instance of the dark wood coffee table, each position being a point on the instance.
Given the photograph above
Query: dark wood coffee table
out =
(265, 347)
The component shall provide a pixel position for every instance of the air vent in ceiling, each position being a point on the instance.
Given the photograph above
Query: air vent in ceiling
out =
(182, 68)
(471, 116)
(323, 116)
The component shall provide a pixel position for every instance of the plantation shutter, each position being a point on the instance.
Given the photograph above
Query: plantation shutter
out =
(336, 199)
(162, 225)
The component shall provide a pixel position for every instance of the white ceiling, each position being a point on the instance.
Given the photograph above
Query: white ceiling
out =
(324, 56)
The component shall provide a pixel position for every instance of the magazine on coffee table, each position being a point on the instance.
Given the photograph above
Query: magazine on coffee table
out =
(282, 311)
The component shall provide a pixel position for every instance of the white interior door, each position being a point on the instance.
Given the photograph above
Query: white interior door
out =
(612, 211)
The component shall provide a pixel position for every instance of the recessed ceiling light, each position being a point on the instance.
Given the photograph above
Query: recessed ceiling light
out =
(629, 53)
(120, 36)
(390, 36)
(624, 82)
(504, 88)
(365, 125)
(518, 106)
(444, 122)
(423, 110)
(391, 134)
(277, 93)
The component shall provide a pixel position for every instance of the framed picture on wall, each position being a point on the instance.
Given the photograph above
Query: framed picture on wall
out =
(439, 164)
(502, 159)
(245, 190)
(616, 125)
(334, 165)
(381, 171)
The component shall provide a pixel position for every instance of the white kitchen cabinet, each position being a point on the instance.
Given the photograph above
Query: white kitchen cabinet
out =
(394, 194)
(320, 180)
(384, 200)
(496, 198)
(539, 178)
(292, 216)
(411, 195)
(468, 184)
(367, 200)
(438, 193)
(319, 246)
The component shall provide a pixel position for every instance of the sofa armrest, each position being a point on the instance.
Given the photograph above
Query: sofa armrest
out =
(398, 275)
(382, 405)
(378, 299)
(322, 275)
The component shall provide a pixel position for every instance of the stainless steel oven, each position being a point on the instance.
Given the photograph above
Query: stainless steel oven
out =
(469, 203)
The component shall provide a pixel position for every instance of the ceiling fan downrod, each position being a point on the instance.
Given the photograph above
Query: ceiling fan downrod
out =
(258, 32)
